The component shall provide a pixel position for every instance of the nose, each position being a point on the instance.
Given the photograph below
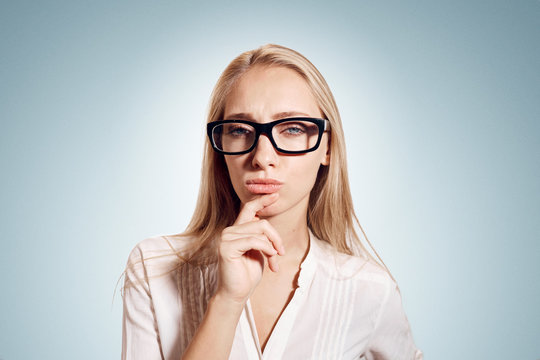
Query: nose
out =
(264, 154)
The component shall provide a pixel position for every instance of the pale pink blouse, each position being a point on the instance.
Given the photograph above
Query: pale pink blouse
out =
(343, 308)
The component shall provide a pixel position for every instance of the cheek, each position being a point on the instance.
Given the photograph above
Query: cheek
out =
(235, 168)
(304, 174)
(230, 167)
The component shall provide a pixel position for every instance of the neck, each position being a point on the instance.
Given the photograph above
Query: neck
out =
(292, 227)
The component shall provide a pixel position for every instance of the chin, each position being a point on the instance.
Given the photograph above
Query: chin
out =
(268, 212)
(271, 211)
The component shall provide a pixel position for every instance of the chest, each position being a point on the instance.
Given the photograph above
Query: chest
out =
(268, 302)
(320, 320)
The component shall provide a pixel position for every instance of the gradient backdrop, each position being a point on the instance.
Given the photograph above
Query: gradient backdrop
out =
(103, 104)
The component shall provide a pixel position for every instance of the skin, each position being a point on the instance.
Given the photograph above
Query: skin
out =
(260, 254)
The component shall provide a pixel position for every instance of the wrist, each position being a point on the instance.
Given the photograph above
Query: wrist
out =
(227, 304)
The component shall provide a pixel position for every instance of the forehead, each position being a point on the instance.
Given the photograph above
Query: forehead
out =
(264, 91)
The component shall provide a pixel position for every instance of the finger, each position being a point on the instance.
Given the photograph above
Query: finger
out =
(258, 227)
(273, 263)
(272, 260)
(249, 210)
(237, 248)
(264, 247)
(229, 236)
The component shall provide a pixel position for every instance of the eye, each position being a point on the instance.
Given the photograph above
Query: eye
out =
(238, 130)
(293, 129)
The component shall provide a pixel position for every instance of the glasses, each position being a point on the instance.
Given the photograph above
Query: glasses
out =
(296, 135)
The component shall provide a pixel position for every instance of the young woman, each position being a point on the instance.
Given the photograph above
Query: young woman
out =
(270, 266)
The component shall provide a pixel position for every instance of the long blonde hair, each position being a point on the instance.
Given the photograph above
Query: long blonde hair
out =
(330, 215)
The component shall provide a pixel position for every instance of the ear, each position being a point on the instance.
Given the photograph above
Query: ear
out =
(326, 157)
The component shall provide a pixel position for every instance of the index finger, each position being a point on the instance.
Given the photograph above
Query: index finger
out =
(249, 210)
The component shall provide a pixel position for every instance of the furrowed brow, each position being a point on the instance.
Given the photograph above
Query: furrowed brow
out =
(287, 114)
(240, 116)
(277, 116)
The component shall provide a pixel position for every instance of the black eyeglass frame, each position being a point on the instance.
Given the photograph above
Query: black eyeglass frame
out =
(266, 129)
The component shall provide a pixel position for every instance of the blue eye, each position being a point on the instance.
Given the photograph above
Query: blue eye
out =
(238, 131)
(293, 129)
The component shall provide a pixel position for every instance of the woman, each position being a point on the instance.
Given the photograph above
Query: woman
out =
(271, 265)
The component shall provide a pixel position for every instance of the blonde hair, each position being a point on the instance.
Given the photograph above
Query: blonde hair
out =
(330, 215)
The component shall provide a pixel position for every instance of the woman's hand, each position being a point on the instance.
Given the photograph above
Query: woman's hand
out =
(242, 249)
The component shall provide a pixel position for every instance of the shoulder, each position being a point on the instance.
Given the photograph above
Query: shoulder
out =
(350, 267)
(158, 254)
(162, 243)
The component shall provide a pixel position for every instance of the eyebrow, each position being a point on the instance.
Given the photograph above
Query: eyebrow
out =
(280, 115)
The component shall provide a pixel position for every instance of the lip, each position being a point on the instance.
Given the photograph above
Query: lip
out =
(263, 186)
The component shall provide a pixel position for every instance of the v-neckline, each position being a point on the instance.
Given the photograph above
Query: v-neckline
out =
(277, 339)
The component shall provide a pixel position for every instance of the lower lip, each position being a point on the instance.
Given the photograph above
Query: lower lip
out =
(263, 188)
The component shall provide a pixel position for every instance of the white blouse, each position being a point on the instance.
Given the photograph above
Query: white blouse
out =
(343, 308)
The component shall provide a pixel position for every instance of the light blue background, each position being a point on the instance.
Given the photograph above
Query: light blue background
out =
(102, 107)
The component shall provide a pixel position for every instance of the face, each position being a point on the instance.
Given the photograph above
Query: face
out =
(265, 94)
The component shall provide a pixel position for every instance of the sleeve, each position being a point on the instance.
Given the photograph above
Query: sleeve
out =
(140, 337)
(392, 337)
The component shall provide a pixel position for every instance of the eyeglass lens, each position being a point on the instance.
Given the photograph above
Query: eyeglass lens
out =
(294, 135)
